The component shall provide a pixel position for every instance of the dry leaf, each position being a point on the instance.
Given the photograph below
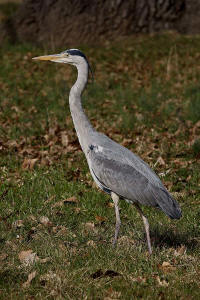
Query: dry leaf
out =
(64, 139)
(30, 278)
(32, 218)
(138, 279)
(44, 220)
(127, 142)
(29, 163)
(54, 129)
(15, 108)
(44, 260)
(110, 204)
(90, 227)
(60, 230)
(28, 257)
(180, 251)
(160, 161)
(197, 124)
(45, 161)
(139, 116)
(163, 282)
(77, 210)
(166, 267)
(71, 199)
(3, 256)
(92, 244)
(100, 219)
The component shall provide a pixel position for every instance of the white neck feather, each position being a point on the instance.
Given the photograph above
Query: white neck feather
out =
(81, 123)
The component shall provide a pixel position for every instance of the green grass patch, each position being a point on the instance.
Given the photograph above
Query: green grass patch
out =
(145, 95)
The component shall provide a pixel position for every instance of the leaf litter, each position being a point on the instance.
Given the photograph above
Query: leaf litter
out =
(31, 276)
(55, 140)
(29, 258)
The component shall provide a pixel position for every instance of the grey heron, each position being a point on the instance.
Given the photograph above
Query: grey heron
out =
(115, 169)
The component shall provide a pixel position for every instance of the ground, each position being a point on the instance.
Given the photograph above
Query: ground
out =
(56, 227)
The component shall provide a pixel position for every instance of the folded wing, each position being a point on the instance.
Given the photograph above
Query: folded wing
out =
(112, 173)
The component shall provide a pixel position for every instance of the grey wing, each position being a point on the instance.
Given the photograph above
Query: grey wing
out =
(113, 174)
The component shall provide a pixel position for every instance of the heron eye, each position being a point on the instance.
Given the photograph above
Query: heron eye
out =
(65, 54)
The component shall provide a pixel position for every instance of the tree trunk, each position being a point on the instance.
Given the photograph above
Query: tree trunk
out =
(73, 22)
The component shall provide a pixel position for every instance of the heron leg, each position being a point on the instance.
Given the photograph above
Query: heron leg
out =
(146, 226)
(115, 199)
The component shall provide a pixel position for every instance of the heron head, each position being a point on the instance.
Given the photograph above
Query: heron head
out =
(71, 56)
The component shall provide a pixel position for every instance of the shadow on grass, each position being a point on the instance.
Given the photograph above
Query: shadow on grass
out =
(171, 239)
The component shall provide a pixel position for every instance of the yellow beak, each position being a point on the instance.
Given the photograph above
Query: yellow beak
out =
(48, 57)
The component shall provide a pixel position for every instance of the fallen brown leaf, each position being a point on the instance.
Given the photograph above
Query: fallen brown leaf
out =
(180, 251)
(28, 257)
(100, 219)
(127, 142)
(163, 282)
(31, 276)
(60, 230)
(45, 221)
(197, 124)
(77, 210)
(64, 138)
(29, 163)
(160, 161)
(44, 260)
(92, 244)
(110, 204)
(3, 256)
(46, 161)
(138, 279)
(166, 267)
(32, 218)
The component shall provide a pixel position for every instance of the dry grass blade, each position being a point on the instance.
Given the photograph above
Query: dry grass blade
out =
(31, 276)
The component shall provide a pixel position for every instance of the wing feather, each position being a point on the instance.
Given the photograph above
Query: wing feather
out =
(118, 176)
(112, 173)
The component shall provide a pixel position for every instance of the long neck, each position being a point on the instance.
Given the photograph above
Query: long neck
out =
(81, 123)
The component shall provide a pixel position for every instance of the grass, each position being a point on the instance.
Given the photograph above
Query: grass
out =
(145, 96)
